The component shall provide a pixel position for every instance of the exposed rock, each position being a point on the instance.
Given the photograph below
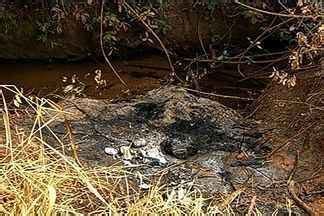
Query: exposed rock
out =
(176, 123)
(111, 151)
(188, 138)
(182, 124)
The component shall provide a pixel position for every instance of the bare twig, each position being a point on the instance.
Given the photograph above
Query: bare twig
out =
(293, 171)
(133, 11)
(260, 38)
(291, 189)
(249, 60)
(102, 47)
(220, 95)
(314, 175)
(300, 203)
(272, 13)
(72, 141)
(314, 193)
(252, 205)
(200, 39)
(288, 141)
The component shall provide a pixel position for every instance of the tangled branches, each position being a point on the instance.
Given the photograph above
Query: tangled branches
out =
(308, 40)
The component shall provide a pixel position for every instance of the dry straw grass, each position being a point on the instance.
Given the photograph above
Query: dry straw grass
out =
(37, 179)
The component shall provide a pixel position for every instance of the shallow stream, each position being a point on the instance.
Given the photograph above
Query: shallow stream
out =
(48, 79)
(141, 74)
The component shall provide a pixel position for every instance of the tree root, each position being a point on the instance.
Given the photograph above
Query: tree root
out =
(300, 203)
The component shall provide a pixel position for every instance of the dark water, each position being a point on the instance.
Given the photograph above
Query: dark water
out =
(47, 79)
(141, 75)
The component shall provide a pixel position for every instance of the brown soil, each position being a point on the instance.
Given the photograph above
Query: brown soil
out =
(295, 118)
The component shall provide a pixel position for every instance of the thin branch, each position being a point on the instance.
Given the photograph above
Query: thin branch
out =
(252, 205)
(272, 13)
(73, 144)
(219, 95)
(259, 38)
(300, 203)
(288, 141)
(102, 47)
(294, 169)
(130, 8)
(199, 37)
(238, 61)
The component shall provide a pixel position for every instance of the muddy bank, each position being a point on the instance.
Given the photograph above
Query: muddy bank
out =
(296, 119)
(72, 33)
(25, 39)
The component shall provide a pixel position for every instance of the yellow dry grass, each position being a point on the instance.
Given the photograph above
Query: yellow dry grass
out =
(37, 179)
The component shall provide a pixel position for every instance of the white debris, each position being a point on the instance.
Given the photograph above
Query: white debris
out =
(126, 152)
(144, 186)
(139, 142)
(155, 153)
(111, 151)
